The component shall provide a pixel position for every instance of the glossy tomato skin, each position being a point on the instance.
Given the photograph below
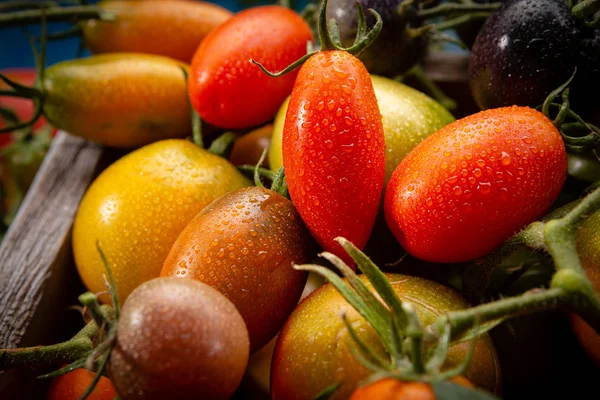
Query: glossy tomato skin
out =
(393, 389)
(225, 88)
(408, 117)
(312, 350)
(173, 29)
(244, 244)
(248, 149)
(334, 150)
(138, 206)
(72, 385)
(119, 100)
(588, 246)
(472, 184)
(178, 339)
(528, 48)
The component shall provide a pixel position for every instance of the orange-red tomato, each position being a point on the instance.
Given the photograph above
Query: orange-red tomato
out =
(23, 108)
(334, 150)
(468, 187)
(168, 28)
(393, 389)
(229, 92)
(243, 244)
(72, 385)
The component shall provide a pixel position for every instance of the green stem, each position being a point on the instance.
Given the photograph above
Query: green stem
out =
(62, 353)
(52, 14)
(222, 145)
(585, 9)
(561, 234)
(463, 320)
(449, 8)
(430, 87)
(99, 314)
(458, 21)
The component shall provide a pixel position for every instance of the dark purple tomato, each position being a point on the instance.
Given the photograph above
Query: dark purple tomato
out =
(528, 48)
(395, 51)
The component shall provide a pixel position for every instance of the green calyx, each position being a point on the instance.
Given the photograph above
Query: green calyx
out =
(278, 183)
(329, 37)
(395, 322)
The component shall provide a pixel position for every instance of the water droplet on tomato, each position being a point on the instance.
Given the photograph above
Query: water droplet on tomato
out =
(485, 187)
(481, 162)
(458, 190)
(505, 158)
(527, 140)
(477, 172)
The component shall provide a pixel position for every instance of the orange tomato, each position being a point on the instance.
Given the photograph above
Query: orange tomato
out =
(393, 389)
(72, 385)
(169, 28)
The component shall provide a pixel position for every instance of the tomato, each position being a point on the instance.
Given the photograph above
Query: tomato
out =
(244, 245)
(178, 339)
(169, 28)
(397, 48)
(588, 246)
(119, 99)
(23, 108)
(393, 389)
(138, 206)
(312, 351)
(72, 385)
(333, 149)
(409, 116)
(229, 92)
(248, 149)
(471, 185)
(528, 48)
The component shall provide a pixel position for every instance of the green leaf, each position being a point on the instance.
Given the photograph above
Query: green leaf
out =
(377, 278)
(451, 391)
(327, 392)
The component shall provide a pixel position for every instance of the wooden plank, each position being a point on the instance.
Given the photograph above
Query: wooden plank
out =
(35, 256)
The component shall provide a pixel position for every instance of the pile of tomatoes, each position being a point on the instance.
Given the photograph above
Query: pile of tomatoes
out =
(202, 257)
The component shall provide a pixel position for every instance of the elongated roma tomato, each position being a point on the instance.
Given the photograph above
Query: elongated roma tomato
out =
(138, 206)
(230, 92)
(244, 245)
(119, 100)
(333, 149)
(471, 185)
(172, 28)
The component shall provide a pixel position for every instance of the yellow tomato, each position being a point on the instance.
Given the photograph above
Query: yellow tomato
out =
(409, 116)
(138, 206)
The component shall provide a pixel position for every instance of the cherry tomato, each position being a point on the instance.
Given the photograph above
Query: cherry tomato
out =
(244, 245)
(588, 246)
(72, 385)
(169, 28)
(229, 92)
(178, 339)
(313, 352)
(138, 206)
(248, 149)
(408, 117)
(119, 99)
(333, 149)
(471, 185)
(393, 389)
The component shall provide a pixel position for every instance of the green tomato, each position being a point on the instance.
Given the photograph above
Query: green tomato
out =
(409, 116)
